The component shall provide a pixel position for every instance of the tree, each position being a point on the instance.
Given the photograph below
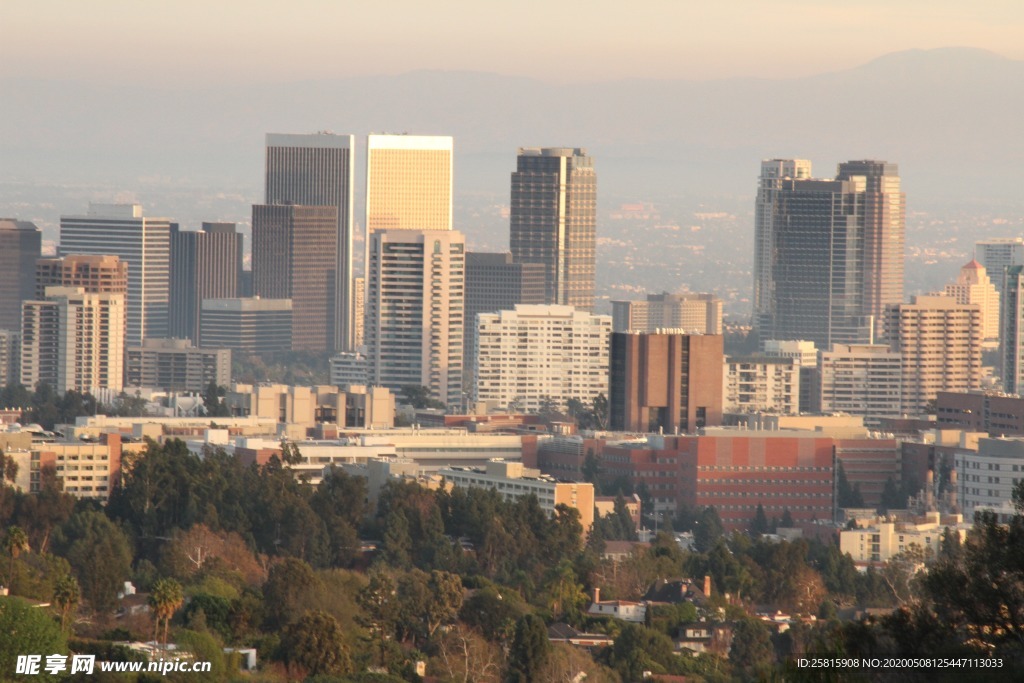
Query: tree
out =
(316, 644)
(751, 650)
(529, 651)
(15, 543)
(599, 410)
(100, 555)
(213, 401)
(419, 397)
(26, 630)
(707, 530)
(66, 595)
(380, 607)
(847, 496)
(164, 599)
(891, 497)
(291, 589)
(760, 524)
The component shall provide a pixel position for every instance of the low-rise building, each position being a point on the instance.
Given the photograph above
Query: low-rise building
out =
(761, 383)
(918, 541)
(176, 365)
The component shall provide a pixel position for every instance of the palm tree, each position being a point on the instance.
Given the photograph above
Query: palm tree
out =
(165, 598)
(66, 595)
(15, 543)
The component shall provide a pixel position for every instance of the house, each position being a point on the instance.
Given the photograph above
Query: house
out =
(701, 637)
(626, 610)
(675, 591)
(563, 633)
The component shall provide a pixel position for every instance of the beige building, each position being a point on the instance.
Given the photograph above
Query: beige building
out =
(414, 311)
(87, 470)
(176, 365)
(513, 481)
(359, 407)
(539, 352)
(74, 340)
(409, 182)
(940, 344)
(884, 540)
(760, 383)
(974, 286)
(691, 313)
(861, 379)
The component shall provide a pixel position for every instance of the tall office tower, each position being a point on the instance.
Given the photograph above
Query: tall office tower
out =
(74, 340)
(10, 356)
(359, 312)
(553, 221)
(205, 264)
(828, 253)
(414, 310)
(319, 170)
(665, 381)
(541, 352)
(494, 283)
(861, 379)
(695, 313)
(805, 356)
(95, 274)
(1011, 337)
(20, 245)
(143, 243)
(940, 344)
(408, 182)
(999, 254)
(294, 256)
(973, 286)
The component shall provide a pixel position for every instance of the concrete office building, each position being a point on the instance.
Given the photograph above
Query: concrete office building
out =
(205, 264)
(143, 243)
(986, 478)
(319, 170)
(973, 286)
(414, 310)
(553, 221)
(939, 341)
(95, 274)
(1011, 336)
(861, 379)
(20, 247)
(538, 352)
(409, 182)
(10, 357)
(665, 381)
(74, 340)
(754, 384)
(495, 283)
(176, 365)
(828, 253)
(294, 256)
(247, 326)
(694, 313)
(805, 357)
(998, 254)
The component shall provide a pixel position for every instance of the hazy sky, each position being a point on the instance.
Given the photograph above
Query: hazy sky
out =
(217, 41)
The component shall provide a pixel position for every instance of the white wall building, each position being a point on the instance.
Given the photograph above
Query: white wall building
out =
(985, 478)
(761, 384)
(861, 379)
(974, 286)
(541, 351)
(880, 542)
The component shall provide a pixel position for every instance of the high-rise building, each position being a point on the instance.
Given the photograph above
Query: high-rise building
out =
(999, 254)
(319, 170)
(205, 264)
(828, 253)
(74, 340)
(176, 365)
(143, 243)
(414, 310)
(359, 312)
(1011, 337)
(539, 353)
(973, 286)
(665, 381)
(861, 379)
(695, 313)
(20, 245)
(805, 357)
(246, 326)
(494, 283)
(761, 384)
(10, 357)
(408, 182)
(294, 256)
(553, 221)
(95, 274)
(939, 341)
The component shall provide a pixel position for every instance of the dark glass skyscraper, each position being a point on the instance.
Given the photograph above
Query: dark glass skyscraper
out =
(553, 221)
(20, 245)
(828, 253)
(205, 264)
(317, 170)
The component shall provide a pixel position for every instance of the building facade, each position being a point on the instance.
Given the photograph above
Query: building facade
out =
(553, 221)
(861, 379)
(986, 478)
(539, 353)
(665, 382)
(74, 340)
(247, 326)
(414, 310)
(973, 286)
(828, 253)
(176, 365)
(20, 247)
(761, 384)
(294, 256)
(319, 170)
(1011, 336)
(205, 264)
(939, 342)
(998, 254)
(693, 313)
(143, 243)
(409, 182)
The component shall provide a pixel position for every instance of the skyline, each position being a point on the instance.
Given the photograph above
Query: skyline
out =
(192, 43)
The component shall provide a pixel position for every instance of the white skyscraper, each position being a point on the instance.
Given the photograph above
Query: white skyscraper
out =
(997, 255)
(144, 243)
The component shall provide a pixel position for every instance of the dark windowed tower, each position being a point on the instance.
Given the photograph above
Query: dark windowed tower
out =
(20, 245)
(205, 264)
(553, 221)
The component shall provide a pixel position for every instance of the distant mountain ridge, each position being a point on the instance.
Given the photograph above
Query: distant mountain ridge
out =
(950, 117)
